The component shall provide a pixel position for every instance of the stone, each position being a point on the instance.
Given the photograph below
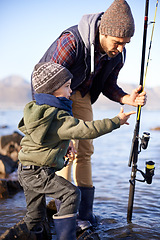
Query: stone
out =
(18, 232)
(10, 145)
(156, 129)
(9, 185)
(7, 165)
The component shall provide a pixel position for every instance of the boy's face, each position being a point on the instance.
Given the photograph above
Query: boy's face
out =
(64, 91)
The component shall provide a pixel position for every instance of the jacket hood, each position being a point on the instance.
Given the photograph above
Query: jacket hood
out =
(37, 120)
(88, 27)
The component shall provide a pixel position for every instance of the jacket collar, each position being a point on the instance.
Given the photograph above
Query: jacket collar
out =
(58, 102)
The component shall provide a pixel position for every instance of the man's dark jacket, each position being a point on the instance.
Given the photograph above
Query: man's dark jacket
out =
(85, 33)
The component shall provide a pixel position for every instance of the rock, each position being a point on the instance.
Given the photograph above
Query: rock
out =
(7, 165)
(51, 209)
(9, 184)
(88, 234)
(3, 126)
(9, 148)
(156, 129)
(18, 232)
(3, 189)
(10, 145)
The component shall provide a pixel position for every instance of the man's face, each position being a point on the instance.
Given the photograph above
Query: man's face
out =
(112, 45)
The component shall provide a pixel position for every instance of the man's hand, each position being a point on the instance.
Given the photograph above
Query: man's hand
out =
(135, 98)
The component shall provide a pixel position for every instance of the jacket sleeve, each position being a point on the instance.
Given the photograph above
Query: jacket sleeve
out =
(65, 51)
(111, 89)
(72, 128)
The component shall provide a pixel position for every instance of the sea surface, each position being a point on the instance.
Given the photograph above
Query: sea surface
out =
(111, 176)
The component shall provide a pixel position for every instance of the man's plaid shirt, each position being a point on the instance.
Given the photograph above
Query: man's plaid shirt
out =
(65, 54)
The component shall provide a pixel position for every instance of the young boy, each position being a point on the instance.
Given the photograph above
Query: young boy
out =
(48, 126)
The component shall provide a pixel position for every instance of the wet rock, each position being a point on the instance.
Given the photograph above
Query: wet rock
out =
(10, 145)
(7, 165)
(9, 148)
(9, 185)
(51, 209)
(88, 234)
(3, 189)
(18, 232)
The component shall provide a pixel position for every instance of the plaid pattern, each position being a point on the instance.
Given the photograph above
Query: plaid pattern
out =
(65, 55)
(65, 52)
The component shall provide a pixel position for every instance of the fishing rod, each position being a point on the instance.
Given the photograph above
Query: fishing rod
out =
(136, 147)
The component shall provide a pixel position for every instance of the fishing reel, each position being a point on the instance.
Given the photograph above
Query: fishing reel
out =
(149, 172)
(144, 141)
(149, 169)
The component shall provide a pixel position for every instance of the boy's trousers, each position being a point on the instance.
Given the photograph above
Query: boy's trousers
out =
(39, 182)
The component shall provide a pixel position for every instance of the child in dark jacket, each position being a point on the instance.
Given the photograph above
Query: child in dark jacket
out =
(48, 126)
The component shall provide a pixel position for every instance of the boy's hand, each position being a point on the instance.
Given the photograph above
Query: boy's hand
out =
(124, 116)
(71, 151)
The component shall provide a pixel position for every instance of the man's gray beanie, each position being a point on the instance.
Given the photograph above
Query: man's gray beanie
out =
(117, 21)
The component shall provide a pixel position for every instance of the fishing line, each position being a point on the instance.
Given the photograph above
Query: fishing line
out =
(144, 81)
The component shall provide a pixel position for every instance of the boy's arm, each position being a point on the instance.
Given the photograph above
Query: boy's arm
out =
(73, 128)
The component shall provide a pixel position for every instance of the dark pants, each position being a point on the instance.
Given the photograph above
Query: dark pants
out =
(43, 181)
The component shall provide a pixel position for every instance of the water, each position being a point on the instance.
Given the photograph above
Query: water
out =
(111, 176)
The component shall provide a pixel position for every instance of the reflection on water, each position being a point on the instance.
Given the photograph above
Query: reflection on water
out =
(111, 176)
(12, 210)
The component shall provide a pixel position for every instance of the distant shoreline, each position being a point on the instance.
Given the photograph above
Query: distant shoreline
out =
(16, 92)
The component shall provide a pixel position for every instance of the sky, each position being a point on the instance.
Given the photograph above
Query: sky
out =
(28, 28)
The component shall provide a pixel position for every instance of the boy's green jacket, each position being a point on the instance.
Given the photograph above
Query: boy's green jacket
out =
(48, 131)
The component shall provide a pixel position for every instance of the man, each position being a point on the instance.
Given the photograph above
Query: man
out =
(94, 52)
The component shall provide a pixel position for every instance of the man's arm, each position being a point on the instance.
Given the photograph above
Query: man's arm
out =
(111, 90)
(65, 52)
(115, 93)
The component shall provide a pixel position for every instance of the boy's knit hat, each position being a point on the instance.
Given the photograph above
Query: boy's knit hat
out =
(48, 77)
(117, 21)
